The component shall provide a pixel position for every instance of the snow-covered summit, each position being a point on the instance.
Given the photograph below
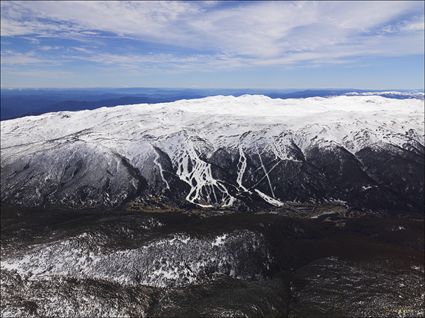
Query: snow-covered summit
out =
(222, 151)
(393, 94)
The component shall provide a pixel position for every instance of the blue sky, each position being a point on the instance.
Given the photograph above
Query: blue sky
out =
(213, 44)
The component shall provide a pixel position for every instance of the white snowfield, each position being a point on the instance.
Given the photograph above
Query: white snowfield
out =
(187, 128)
(216, 118)
(419, 95)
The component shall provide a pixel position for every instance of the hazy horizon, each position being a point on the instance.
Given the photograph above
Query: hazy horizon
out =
(215, 88)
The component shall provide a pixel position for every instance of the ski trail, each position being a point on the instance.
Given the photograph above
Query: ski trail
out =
(266, 173)
(161, 171)
(268, 199)
(202, 184)
(241, 168)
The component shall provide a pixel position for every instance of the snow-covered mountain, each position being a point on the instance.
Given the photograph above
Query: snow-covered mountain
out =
(247, 152)
(390, 94)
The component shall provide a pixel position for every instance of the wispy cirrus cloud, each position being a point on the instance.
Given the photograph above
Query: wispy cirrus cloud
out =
(262, 30)
(15, 58)
(211, 35)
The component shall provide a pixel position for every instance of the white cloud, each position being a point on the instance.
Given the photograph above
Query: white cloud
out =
(259, 33)
(39, 73)
(16, 58)
(416, 23)
(165, 62)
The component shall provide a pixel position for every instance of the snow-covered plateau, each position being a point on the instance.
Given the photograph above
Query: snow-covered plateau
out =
(249, 152)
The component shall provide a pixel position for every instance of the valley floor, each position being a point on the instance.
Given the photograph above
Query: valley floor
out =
(329, 262)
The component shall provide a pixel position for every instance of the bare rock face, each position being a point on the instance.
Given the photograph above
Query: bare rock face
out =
(248, 152)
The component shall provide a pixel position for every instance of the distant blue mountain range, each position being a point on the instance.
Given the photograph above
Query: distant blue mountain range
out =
(23, 102)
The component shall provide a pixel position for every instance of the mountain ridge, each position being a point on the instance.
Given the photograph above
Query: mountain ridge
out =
(249, 152)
